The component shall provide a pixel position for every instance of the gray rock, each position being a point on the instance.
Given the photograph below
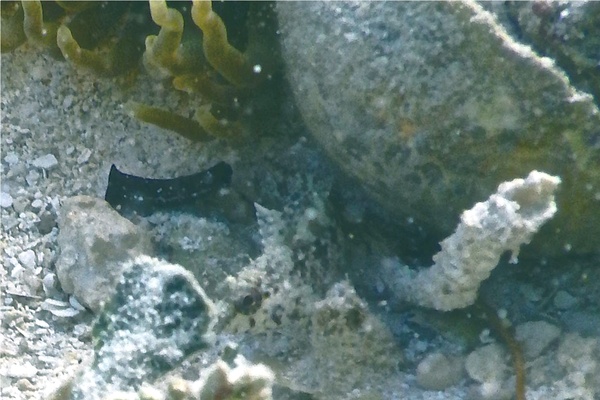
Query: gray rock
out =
(563, 300)
(157, 317)
(6, 200)
(430, 105)
(536, 336)
(94, 241)
(438, 372)
(350, 345)
(28, 259)
(487, 364)
(46, 161)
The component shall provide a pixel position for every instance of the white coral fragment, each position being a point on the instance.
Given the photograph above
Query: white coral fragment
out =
(504, 222)
(244, 381)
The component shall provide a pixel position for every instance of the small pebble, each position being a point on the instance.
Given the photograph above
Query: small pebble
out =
(27, 259)
(563, 300)
(32, 177)
(6, 200)
(11, 158)
(487, 364)
(42, 323)
(47, 161)
(76, 304)
(25, 370)
(47, 222)
(20, 204)
(37, 204)
(586, 323)
(438, 372)
(25, 385)
(535, 337)
(49, 284)
(68, 101)
(84, 156)
(17, 272)
(531, 293)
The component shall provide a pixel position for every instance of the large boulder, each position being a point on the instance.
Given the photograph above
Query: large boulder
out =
(432, 104)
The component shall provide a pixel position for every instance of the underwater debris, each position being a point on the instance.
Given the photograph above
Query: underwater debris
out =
(130, 193)
(205, 193)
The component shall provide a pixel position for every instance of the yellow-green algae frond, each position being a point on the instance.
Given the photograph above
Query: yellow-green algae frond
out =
(240, 74)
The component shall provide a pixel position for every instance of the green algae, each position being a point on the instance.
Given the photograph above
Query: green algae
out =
(186, 127)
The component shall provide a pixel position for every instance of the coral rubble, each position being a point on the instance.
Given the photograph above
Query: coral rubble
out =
(508, 219)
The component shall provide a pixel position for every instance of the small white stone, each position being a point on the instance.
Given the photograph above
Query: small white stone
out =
(27, 259)
(25, 385)
(46, 161)
(75, 303)
(12, 260)
(68, 101)
(25, 370)
(49, 284)
(17, 272)
(84, 156)
(32, 177)
(64, 313)
(37, 203)
(6, 200)
(42, 323)
(11, 158)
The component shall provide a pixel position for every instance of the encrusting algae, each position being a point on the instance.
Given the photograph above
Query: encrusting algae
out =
(188, 45)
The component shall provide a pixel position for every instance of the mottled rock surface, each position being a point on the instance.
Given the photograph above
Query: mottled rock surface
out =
(430, 105)
(94, 241)
(567, 31)
(158, 316)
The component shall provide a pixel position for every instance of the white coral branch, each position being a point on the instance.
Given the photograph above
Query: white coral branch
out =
(504, 222)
